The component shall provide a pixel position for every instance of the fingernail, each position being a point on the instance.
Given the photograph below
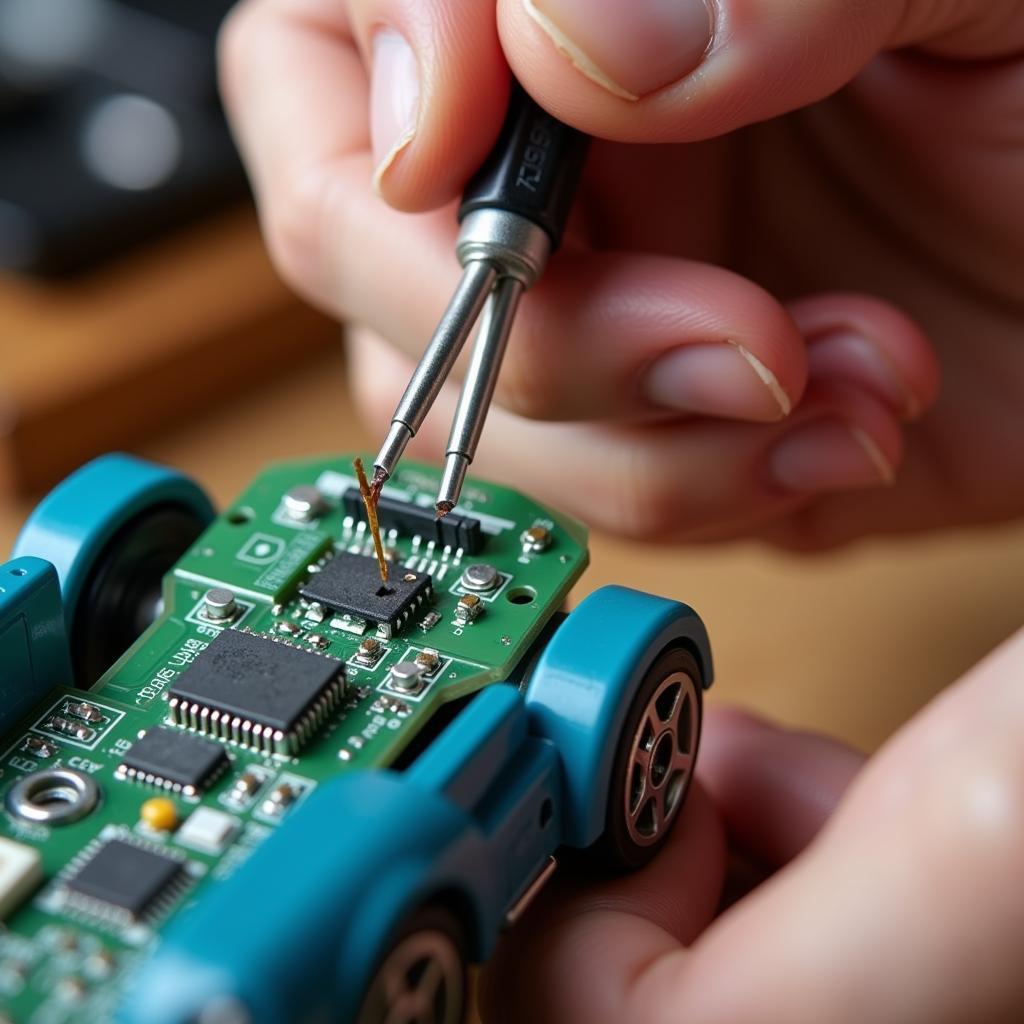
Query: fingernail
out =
(394, 99)
(828, 455)
(629, 47)
(716, 380)
(854, 359)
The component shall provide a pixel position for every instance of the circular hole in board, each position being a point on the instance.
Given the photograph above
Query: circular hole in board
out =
(522, 595)
(240, 516)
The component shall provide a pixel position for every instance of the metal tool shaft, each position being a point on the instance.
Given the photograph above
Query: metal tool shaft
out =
(478, 388)
(433, 369)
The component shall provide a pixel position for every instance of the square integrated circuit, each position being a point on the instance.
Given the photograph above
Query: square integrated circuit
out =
(257, 692)
(122, 882)
(351, 584)
(173, 760)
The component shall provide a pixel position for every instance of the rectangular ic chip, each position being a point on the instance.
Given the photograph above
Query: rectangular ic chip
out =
(351, 584)
(454, 530)
(257, 692)
(122, 881)
(173, 760)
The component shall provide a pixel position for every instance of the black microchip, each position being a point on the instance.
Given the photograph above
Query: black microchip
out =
(174, 760)
(257, 692)
(351, 584)
(122, 880)
(454, 530)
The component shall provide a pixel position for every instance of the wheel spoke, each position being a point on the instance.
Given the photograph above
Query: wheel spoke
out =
(430, 982)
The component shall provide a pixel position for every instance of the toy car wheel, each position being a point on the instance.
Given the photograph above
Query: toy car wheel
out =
(654, 760)
(112, 529)
(422, 978)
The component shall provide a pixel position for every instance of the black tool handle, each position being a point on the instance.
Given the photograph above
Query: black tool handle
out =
(533, 169)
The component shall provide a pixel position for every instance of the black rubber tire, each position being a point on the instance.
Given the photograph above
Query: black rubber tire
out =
(430, 919)
(616, 849)
(121, 596)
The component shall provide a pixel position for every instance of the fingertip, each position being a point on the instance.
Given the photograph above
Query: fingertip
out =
(844, 439)
(775, 787)
(439, 88)
(867, 342)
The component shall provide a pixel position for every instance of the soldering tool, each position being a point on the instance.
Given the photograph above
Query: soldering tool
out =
(512, 217)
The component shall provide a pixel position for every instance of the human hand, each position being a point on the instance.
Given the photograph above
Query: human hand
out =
(774, 398)
(895, 898)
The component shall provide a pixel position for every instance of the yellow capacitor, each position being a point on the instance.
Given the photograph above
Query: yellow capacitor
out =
(159, 814)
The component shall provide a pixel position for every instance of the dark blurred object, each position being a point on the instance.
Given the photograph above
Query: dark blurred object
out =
(110, 126)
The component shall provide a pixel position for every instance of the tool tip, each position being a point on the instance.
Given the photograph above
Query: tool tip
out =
(380, 478)
(442, 508)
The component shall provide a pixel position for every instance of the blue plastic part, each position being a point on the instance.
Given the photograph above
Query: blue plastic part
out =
(581, 690)
(72, 525)
(34, 654)
(294, 934)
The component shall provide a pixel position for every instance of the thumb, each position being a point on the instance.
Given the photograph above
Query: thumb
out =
(680, 70)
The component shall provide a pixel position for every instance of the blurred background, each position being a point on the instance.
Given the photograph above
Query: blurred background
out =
(138, 311)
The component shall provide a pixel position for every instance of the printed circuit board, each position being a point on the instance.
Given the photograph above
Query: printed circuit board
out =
(277, 660)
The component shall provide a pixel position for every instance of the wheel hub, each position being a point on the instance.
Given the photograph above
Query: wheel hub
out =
(420, 982)
(661, 758)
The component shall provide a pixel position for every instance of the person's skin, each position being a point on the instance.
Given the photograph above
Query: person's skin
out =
(742, 336)
(906, 908)
(903, 187)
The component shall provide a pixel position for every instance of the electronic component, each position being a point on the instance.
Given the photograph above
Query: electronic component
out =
(536, 539)
(219, 605)
(314, 611)
(39, 747)
(318, 641)
(66, 727)
(429, 621)
(468, 608)
(387, 703)
(428, 660)
(406, 677)
(304, 503)
(84, 710)
(454, 530)
(351, 583)
(159, 814)
(173, 760)
(246, 786)
(71, 989)
(370, 652)
(207, 830)
(480, 577)
(122, 882)
(279, 799)
(256, 692)
(21, 869)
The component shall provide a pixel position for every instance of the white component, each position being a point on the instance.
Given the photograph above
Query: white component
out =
(21, 868)
(207, 830)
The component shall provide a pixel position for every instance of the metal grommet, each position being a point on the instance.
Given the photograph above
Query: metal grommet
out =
(54, 796)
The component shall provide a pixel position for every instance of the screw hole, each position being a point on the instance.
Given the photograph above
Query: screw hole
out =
(522, 595)
(19, 572)
(240, 516)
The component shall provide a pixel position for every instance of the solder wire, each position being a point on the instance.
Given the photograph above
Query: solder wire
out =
(371, 517)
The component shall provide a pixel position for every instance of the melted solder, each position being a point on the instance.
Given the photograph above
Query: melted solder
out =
(370, 496)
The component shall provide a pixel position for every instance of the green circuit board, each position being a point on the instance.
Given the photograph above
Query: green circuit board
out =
(286, 569)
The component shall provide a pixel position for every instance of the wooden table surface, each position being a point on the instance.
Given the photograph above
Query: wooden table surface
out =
(851, 643)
